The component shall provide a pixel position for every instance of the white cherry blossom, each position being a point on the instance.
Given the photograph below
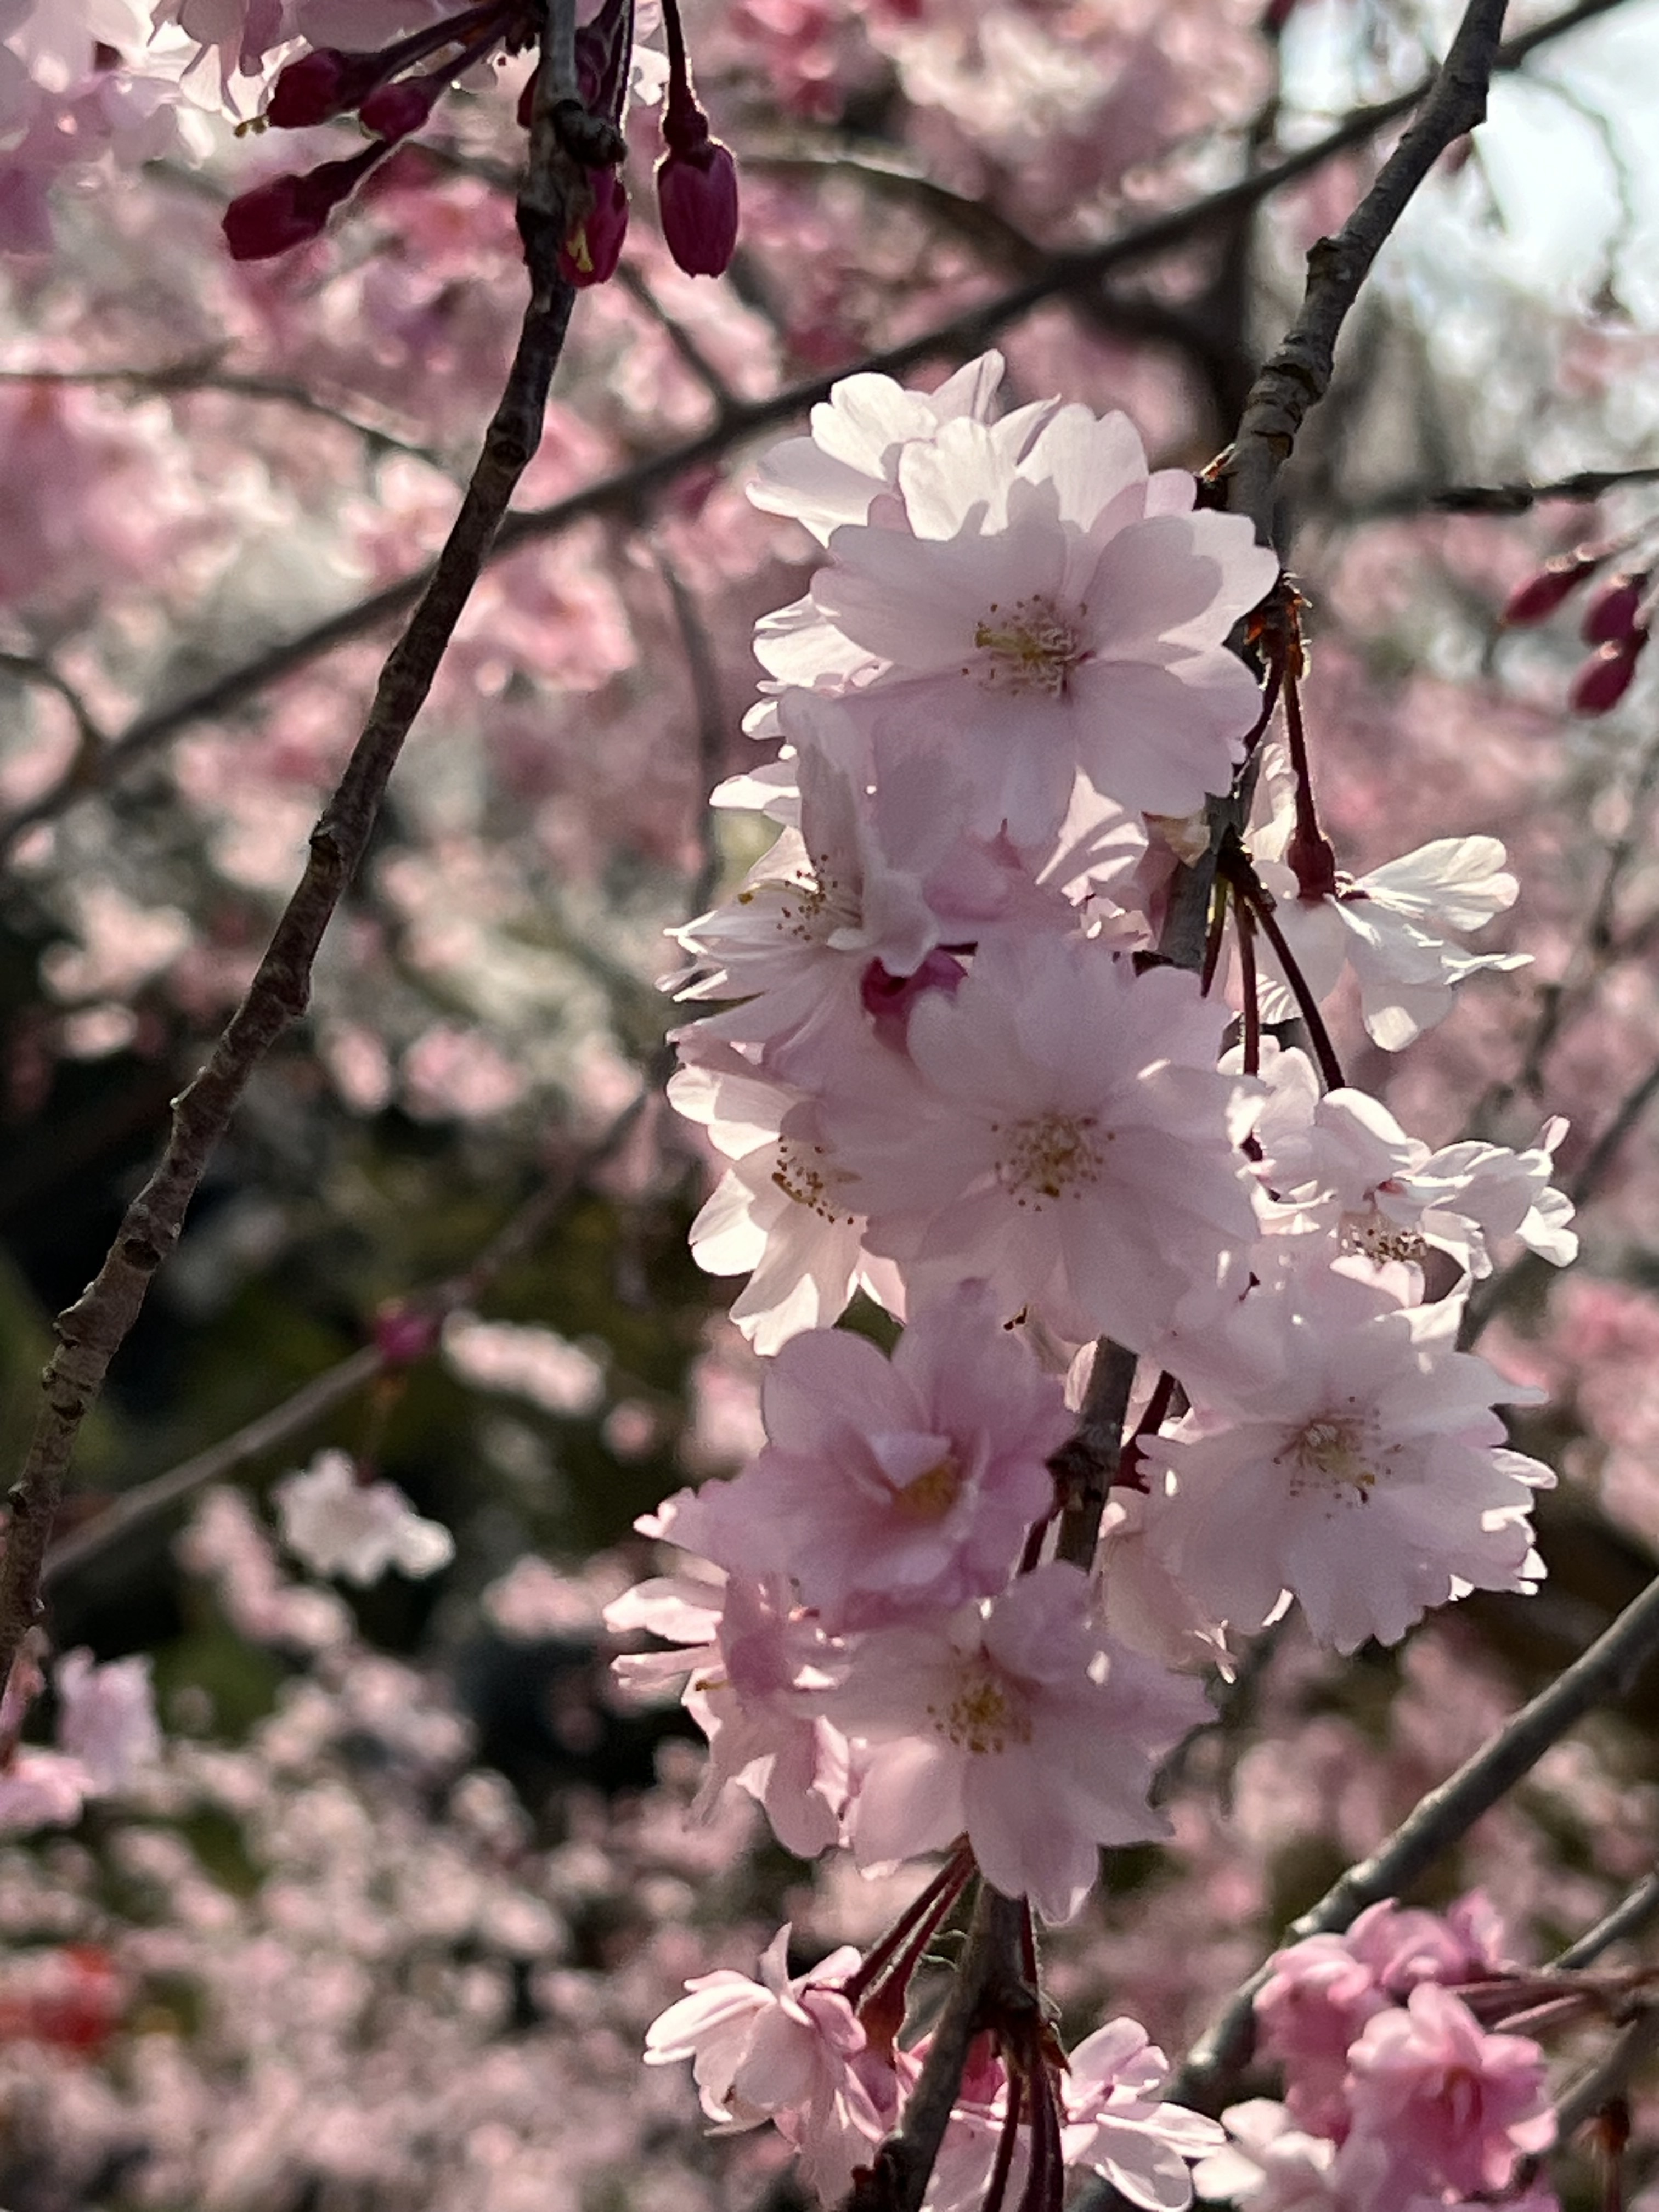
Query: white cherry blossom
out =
(354, 1530)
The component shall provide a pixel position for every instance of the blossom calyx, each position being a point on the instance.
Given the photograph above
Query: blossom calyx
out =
(593, 246)
(1606, 677)
(322, 84)
(1536, 599)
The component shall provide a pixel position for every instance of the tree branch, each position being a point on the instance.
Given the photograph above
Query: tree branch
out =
(1630, 1916)
(1299, 373)
(625, 490)
(1442, 1819)
(92, 1330)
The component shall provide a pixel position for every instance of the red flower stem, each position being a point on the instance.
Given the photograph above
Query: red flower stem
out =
(997, 2187)
(1243, 881)
(929, 1908)
(1309, 851)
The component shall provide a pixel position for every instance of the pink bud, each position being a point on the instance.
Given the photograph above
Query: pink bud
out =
(404, 1335)
(321, 84)
(285, 213)
(590, 254)
(1611, 615)
(1605, 678)
(697, 199)
(1537, 599)
(268, 220)
(393, 111)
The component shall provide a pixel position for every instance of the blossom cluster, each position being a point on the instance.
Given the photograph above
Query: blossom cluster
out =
(953, 1066)
(1396, 2093)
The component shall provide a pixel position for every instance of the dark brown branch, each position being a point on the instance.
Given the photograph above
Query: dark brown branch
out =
(1504, 499)
(92, 1330)
(1442, 1819)
(1299, 373)
(1631, 1916)
(625, 490)
(1086, 1464)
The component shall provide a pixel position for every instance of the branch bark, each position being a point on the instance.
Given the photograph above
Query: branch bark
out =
(1298, 375)
(92, 1330)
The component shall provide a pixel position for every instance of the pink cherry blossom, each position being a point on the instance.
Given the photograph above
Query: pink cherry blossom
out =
(107, 1716)
(1015, 1721)
(1076, 1145)
(1391, 927)
(1116, 2124)
(1316, 1999)
(1449, 2102)
(1364, 1470)
(888, 1490)
(788, 1208)
(780, 2050)
(340, 1526)
(1054, 611)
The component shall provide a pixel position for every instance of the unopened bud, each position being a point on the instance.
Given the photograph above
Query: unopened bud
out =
(321, 85)
(1605, 678)
(590, 253)
(697, 200)
(394, 110)
(404, 1335)
(1611, 615)
(275, 217)
(1536, 600)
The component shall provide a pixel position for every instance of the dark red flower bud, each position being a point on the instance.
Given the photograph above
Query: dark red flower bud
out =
(1611, 615)
(404, 1335)
(1536, 600)
(275, 217)
(1275, 15)
(1605, 678)
(320, 85)
(697, 200)
(393, 111)
(590, 254)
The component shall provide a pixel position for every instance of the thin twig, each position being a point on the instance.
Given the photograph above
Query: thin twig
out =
(1299, 373)
(625, 490)
(92, 1330)
(186, 376)
(281, 1424)
(1631, 1915)
(27, 668)
(1441, 1819)
(1611, 2074)
(1087, 1463)
(1504, 499)
(725, 400)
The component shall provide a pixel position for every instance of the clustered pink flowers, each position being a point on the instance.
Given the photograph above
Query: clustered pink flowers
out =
(951, 1073)
(1395, 2094)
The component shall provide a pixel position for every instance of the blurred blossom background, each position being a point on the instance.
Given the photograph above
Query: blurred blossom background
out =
(379, 1920)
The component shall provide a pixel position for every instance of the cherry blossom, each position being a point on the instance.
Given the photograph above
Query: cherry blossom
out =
(1076, 1145)
(1054, 610)
(106, 1717)
(1370, 1421)
(340, 1525)
(1390, 927)
(887, 1489)
(1117, 2123)
(1453, 2104)
(781, 2050)
(1015, 1721)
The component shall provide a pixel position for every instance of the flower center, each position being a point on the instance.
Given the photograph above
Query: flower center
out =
(806, 1174)
(1372, 1233)
(1032, 646)
(929, 1496)
(808, 907)
(1336, 1448)
(987, 1714)
(1048, 1156)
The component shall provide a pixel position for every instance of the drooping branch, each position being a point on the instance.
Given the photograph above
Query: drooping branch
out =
(628, 489)
(92, 1330)
(1299, 373)
(1439, 1822)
